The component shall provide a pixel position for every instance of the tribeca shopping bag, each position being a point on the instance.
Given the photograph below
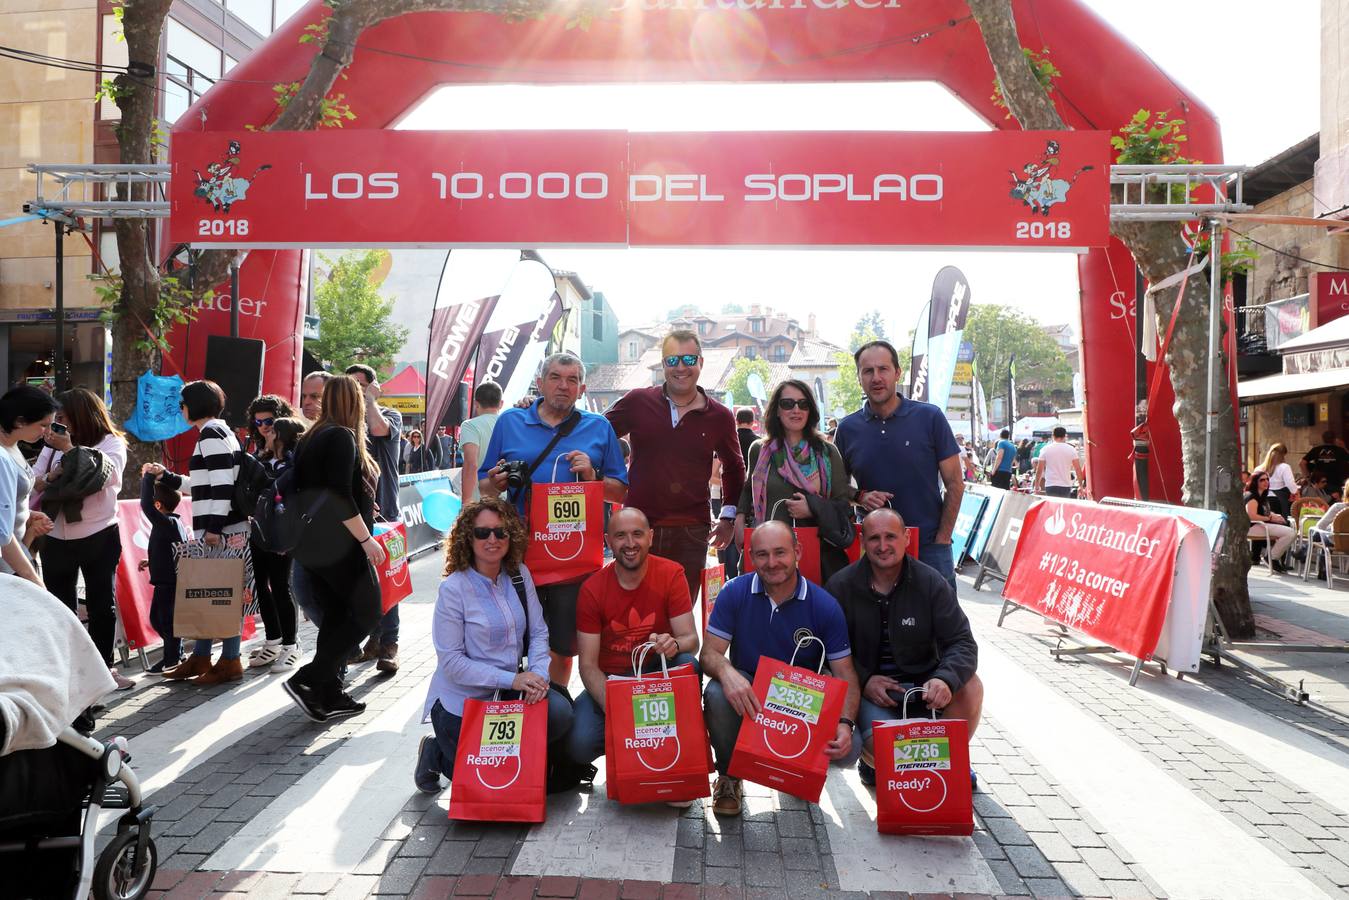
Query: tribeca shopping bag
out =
(501, 765)
(209, 597)
(714, 579)
(566, 529)
(783, 747)
(655, 741)
(923, 775)
(395, 583)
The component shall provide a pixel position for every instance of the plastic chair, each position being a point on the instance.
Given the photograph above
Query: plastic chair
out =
(1336, 546)
(1306, 504)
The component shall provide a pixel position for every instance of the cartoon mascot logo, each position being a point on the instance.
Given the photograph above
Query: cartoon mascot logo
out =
(1039, 189)
(221, 188)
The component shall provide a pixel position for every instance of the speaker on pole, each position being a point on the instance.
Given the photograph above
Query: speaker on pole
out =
(236, 365)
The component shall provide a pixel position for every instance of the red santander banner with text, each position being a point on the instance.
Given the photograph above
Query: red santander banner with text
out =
(1102, 570)
(614, 188)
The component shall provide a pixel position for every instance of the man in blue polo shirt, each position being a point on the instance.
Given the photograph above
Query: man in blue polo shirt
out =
(765, 613)
(902, 452)
(587, 451)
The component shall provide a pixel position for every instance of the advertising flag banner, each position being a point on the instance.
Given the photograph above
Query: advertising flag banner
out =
(1102, 570)
(918, 355)
(376, 188)
(501, 767)
(944, 317)
(134, 592)
(923, 777)
(1011, 392)
(455, 333)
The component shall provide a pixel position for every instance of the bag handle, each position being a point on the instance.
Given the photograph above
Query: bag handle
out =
(914, 690)
(563, 430)
(518, 582)
(553, 477)
(773, 513)
(819, 670)
(639, 660)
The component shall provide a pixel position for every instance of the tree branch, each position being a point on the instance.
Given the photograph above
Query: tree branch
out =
(1026, 98)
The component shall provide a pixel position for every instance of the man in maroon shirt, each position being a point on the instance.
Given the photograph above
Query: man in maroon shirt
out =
(675, 430)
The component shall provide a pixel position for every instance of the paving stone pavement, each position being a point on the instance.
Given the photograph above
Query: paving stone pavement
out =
(1032, 836)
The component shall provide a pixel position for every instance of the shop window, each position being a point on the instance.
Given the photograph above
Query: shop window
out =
(31, 356)
(256, 14)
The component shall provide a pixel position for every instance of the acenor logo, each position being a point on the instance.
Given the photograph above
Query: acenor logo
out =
(1055, 524)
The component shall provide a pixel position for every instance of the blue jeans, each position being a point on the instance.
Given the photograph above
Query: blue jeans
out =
(938, 556)
(387, 630)
(446, 726)
(723, 722)
(586, 741)
(229, 648)
(302, 589)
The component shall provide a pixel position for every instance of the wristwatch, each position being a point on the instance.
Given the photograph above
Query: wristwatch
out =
(844, 720)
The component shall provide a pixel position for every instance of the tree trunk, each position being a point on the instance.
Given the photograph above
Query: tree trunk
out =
(1160, 250)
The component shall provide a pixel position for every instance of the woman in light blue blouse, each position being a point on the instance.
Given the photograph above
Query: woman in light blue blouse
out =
(487, 617)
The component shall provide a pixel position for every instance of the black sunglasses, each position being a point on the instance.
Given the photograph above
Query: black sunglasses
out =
(688, 359)
(258, 423)
(480, 533)
(792, 403)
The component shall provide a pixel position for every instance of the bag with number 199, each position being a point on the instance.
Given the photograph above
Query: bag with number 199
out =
(501, 765)
(566, 529)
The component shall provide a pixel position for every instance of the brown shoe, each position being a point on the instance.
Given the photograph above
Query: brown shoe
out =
(388, 658)
(727, 795)
(223, 671)
(369, 654)
(191, 667)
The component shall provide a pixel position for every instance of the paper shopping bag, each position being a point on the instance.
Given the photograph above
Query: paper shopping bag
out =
(501, 765)
(714, 579)
(566, 531)
(209, 599)
(655, 738)
(923, 777)
(395, 583)
(854, 550)
(783, 746)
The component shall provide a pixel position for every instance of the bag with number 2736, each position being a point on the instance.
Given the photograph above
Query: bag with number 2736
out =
(923, 775)
(566, 529)
(501, 766)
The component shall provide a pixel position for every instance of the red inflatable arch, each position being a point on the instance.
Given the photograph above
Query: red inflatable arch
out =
(1106, 80)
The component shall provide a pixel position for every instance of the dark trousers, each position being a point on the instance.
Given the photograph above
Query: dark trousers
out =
(95, 557)
(347, 593)
(686, 545)
(1058, 491)
(161, 620)
(271, 581)
(1001, 480)
(447, 727)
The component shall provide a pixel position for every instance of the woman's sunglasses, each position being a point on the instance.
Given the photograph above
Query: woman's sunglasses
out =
(481, 534)
(688, 359)
(791, 403)
(263, 423)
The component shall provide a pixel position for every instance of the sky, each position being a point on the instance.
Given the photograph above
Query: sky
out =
(1259, 73)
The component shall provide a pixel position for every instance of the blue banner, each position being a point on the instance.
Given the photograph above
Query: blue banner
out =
(984, 528)
(967, 522)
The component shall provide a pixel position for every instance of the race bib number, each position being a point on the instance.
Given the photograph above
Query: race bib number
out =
(501, 734)
(794, 700)
(566, 513)
(654, 716)
(922, 753)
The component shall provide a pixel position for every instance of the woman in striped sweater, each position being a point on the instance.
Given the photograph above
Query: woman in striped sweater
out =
(213, 469)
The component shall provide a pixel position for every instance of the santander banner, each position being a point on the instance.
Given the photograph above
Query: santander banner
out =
(1105, 571)
(612, 188)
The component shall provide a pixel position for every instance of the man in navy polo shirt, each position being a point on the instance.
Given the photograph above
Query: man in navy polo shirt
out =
(901, 452)
(765, 613)
(588, 452)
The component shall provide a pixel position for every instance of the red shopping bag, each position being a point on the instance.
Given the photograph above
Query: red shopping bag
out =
(783, 746)
(923, 776)
(714, 578)
(501, 766)
(655, 741)
(854, 550)
(566, 531)
(395, 583)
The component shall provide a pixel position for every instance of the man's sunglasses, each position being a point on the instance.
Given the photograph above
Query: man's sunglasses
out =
(263, 423)
(793, 403)
(688, 359)
(480, 533)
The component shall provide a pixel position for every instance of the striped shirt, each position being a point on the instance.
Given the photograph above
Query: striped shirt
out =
(213, 470)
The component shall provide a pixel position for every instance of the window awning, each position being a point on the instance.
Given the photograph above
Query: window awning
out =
(1258, 389)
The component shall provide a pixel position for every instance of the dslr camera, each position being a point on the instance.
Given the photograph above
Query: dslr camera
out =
(516, 475)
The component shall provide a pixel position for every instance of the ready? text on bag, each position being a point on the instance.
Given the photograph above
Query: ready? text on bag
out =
(923, 776)
(395, 582)
(783, 746)
(566, 529)
(501, 765)
(655, 741)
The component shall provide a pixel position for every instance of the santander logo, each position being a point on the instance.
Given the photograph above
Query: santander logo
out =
(1054, 524)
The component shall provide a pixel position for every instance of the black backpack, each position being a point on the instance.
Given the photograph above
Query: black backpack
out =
(279, 521)
(252, 482)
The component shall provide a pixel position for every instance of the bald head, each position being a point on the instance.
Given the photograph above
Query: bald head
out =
(890, 517)
(629, 537)
(627, 517)
(773, 550)
(884, 540)
(771, 534)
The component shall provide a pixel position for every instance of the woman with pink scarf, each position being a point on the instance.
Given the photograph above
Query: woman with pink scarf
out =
(792, 462)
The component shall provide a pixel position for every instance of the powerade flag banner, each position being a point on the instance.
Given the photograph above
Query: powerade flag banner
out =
(500, 352)
(455, 333)
(940, 328)
(515, 383)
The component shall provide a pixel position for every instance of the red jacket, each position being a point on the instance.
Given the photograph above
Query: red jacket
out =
(671, 465)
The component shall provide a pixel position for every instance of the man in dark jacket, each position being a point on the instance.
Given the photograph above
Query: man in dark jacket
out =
(906, 631)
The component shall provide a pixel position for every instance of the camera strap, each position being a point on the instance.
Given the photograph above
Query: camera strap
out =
(563, 430)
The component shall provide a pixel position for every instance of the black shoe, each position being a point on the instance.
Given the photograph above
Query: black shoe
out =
(160, 666)
(974, 781)
(308, 700)
(343, 705)
(866, 773)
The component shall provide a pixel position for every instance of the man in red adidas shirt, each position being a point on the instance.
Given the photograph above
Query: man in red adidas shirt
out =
(640, 598)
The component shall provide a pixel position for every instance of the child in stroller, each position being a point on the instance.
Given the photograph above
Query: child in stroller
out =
(54, 779)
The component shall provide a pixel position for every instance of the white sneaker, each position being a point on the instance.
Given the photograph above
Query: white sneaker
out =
(288, 660)
(264, 655)
(123, 683)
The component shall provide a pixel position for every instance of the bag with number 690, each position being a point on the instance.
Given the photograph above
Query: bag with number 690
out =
(783, 747)
(501, 766)
(923, 775)
(566, 529)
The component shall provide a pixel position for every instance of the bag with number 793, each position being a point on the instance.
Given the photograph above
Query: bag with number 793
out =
(566, 529)
(655, 741)
(783, 747)
(500, 767)
(923, 775)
